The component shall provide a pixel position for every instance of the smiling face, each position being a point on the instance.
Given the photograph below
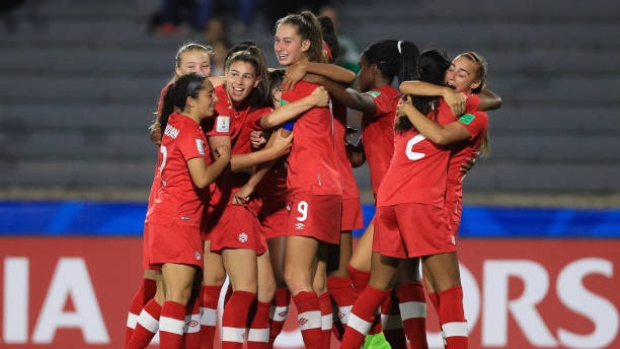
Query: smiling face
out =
(206, 100)
(462, 76)
(241, 79)
(288, 45)
(200, 104)
(194, 61)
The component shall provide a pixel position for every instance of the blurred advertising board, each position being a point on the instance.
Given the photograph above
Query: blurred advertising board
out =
(66, 287)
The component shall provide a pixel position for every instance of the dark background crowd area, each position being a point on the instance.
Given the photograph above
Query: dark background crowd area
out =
(81, 80)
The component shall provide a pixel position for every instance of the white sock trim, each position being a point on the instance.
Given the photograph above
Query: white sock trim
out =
(132, 320)
(455, 329)
(233, 334)
(326, 322)
(309, 320)
(149, 322)
(258, 335)
(192, 323)
(208, 317)
(412, 310)
(358, 324)
(344, 313)
(279, 313)
(171, 325)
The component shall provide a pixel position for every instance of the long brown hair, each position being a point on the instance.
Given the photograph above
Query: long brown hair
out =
(308, 28)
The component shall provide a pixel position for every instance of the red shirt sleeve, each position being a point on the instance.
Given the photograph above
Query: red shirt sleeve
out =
(476, 123)
(191, 144)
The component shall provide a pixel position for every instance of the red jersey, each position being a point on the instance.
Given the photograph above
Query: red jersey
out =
(378, 133)
(215, 126)
(349, 185)
(177, 199)
(156, 180)
(311, 162)
(243, 120)
(419, 168)
(477, 124)
(272, 190)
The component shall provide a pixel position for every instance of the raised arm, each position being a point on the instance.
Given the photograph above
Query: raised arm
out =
(351, 98)
(217, 80)
(318, 98)
(439, 134)
(245, 192)
(455, 100)
(297, 72)
(489, 100)
(279, 145)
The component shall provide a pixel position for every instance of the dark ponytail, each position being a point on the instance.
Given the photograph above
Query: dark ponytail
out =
(330, 39)
(394, 59)
(409, 55)
(432, 66)
(188, 85)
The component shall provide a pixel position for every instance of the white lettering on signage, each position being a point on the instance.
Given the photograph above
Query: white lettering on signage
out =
(571, 293)
(491, 308)
(577, 298)
(523, 309)
(15, 300)
(70, 281)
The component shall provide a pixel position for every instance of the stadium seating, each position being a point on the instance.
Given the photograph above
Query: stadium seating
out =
(81, 80)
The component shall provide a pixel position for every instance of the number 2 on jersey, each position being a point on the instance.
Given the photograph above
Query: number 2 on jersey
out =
(412, 155)
(164, 154)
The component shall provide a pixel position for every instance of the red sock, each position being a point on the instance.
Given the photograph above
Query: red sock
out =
(147, 326)
(191, 339)
(341, 291)
(452, 318)
(258, 335)
(363, 317)
(327, 313)
(413, 312)
(433, 297)
(359, 279)
(171, 323)
(235, 318)
(280, 306)
(228, 294)
(309, 317)
(209, 296)
(392, 323)
(145, 293)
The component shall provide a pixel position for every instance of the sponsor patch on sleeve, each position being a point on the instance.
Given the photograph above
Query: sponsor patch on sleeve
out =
(373, 94)
(466, 119)
(201, 146)
(222, 124)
